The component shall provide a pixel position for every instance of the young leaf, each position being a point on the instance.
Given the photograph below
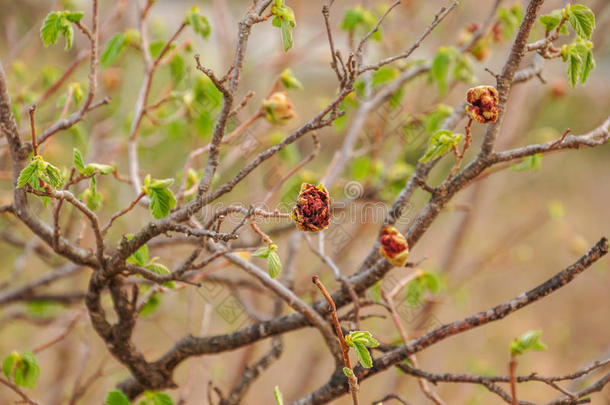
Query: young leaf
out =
(289, 80)
(582, 20)
(27, 370)
(156, 398)
(199, 23)
(364, 357)
(30, 173)
(532, 163)
(587, 66)
(53, 176)
(279, 400)
(348, 373)
(384, 74)
(9, 363)
(140, 257)
(161, 202)
(551, 21)
(92, 197)
(439, 70)
(274, 265)
(440, 142)
(113, 49)
(286, 35)
(530, 340)
(74, 16)
(574, 67)
(49, 33)
(262, 252)
(116, 397)
(161, 270)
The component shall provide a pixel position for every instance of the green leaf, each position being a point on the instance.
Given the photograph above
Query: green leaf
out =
(74, 16)
(140, 257)
(364, 357)
(53, 176)
(49, 33)
(532, 163)
(289, 80)
(439, 70)
(286, 29)
(529, 341)
(100, 168)
(113, 49)
(161, 202)
(156, 398)
(161, 270)
(116, 397)
(434, 120)
(384, 74)
(9, 363)
(510, 19)
(151, 305)
(92, 197)
(274, 265)
(199, 23)
(348, 373)
(587, 66)
(262, 252)
(414, 292)
(582, 20)
(574, 66)
(279, 400)
(440, 143)
(27, 370)
(59, 22)
(177, 68)
(30, 173)
(551, 21)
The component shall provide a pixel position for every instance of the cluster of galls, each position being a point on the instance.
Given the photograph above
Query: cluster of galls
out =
(483, 104)
(312, 210)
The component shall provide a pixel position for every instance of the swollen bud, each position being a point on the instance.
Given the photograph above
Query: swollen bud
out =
(312, 210)
(483, 104)
(278, 108)
(394, 246)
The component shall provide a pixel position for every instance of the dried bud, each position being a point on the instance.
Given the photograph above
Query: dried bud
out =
(312, 210)
(278, 108)
(482, 104)
(394, 246)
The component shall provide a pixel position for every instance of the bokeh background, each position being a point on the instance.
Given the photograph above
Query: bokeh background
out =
(521, 227)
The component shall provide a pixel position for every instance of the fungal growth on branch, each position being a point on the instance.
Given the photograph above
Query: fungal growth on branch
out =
(312, 210)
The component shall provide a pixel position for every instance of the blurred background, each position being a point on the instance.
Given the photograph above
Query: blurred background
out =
(501, 236)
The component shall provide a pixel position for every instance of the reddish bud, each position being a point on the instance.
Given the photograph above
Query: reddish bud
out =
(483, 104)
(312, 210)
(394, 246)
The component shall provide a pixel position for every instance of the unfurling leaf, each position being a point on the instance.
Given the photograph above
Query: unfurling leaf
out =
(440, 142)
(274, 265)
(198, 22)
(59, 22)
(360, 340)
(22, 368)
(530, 340)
